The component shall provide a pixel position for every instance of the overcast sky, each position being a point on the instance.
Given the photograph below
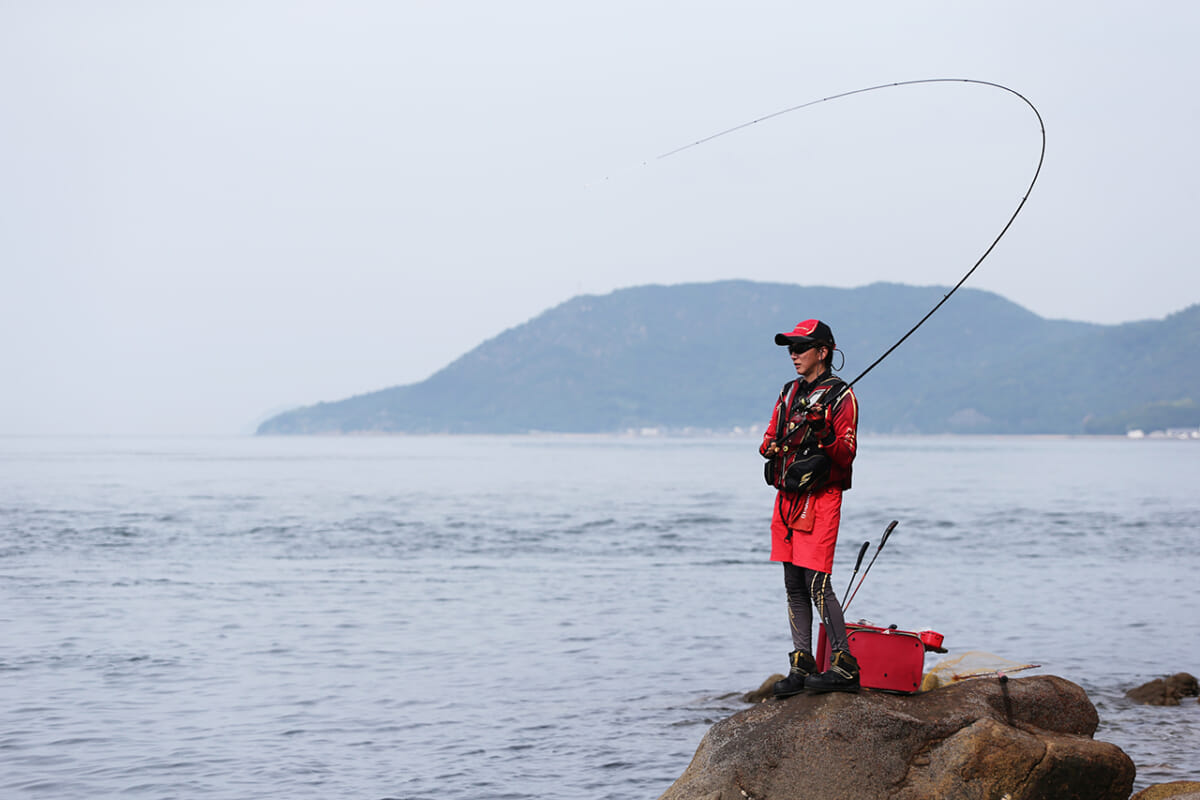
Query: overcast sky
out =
(211, 211)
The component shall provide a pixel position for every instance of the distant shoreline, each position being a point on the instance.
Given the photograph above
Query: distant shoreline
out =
(596, 436)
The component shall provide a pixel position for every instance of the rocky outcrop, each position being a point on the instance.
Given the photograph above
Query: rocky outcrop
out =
(1176, 790)
(1165, 691)
(763, 693)
(1019, 739)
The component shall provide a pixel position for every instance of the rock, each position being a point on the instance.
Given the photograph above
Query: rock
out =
(1165, 691)
(763, 693)
(1022, 739)
(1176, 790)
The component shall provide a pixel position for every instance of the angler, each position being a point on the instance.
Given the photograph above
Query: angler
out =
(810, 445)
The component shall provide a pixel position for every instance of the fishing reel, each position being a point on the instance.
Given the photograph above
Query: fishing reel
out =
(817, 418)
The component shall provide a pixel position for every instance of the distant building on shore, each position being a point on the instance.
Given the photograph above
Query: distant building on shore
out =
(1169, 433)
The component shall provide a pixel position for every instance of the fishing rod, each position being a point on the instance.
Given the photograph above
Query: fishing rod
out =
(986, 253)
(891, 527)
(861, 552)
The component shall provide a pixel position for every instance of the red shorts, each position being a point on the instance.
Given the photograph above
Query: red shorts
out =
(812, 549)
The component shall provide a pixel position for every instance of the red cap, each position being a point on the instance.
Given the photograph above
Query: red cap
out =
(811, 330)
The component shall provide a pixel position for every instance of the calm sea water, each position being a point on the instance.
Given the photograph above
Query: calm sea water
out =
(523, 617)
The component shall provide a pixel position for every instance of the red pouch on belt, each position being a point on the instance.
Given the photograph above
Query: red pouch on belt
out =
(802, 519)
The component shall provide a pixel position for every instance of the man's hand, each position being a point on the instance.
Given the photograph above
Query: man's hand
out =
(772, 449)
(817, 418)
(818, 422)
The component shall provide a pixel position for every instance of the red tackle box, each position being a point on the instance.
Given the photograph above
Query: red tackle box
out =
(888, 659)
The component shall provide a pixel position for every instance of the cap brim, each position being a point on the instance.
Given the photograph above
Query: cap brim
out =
(783, 340)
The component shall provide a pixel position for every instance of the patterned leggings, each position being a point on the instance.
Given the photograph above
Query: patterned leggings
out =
(807, 588)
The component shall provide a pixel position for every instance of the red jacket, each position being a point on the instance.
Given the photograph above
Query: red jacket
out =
(843, 419)
(804, 526)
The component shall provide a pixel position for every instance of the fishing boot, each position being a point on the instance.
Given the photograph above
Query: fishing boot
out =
(842, 675)
(803, 665)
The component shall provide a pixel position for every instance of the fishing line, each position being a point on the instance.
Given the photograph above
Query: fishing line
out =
(986, 253)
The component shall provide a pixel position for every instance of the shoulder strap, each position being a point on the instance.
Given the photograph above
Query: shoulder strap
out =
(835, 390)
(781, 413)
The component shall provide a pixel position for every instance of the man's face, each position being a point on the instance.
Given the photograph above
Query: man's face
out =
(808, 360)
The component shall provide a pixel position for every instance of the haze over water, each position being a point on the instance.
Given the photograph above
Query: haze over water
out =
(551, 617)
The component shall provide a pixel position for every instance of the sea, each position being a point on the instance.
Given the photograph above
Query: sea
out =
(445, 618)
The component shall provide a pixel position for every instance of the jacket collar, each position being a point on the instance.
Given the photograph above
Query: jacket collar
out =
(805, 386)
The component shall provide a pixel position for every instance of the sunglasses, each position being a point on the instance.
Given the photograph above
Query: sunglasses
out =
(796, 348)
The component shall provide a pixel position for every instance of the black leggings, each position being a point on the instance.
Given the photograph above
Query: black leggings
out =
(807, 588)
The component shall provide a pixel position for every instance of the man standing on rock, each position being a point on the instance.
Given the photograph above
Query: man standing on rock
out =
(809, 446)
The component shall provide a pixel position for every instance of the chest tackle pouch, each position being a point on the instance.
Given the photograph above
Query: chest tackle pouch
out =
(807, 473)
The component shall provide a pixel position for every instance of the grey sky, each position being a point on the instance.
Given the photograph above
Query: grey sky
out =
(214, 210)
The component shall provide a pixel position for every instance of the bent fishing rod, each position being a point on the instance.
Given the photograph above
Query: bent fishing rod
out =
(1037, 171)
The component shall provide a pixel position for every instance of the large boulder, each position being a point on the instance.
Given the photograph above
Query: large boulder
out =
(1018, 739)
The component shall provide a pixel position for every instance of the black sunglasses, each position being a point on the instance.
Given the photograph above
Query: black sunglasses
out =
(796, 348)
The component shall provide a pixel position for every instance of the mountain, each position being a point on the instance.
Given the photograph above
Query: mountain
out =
(702, 356)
